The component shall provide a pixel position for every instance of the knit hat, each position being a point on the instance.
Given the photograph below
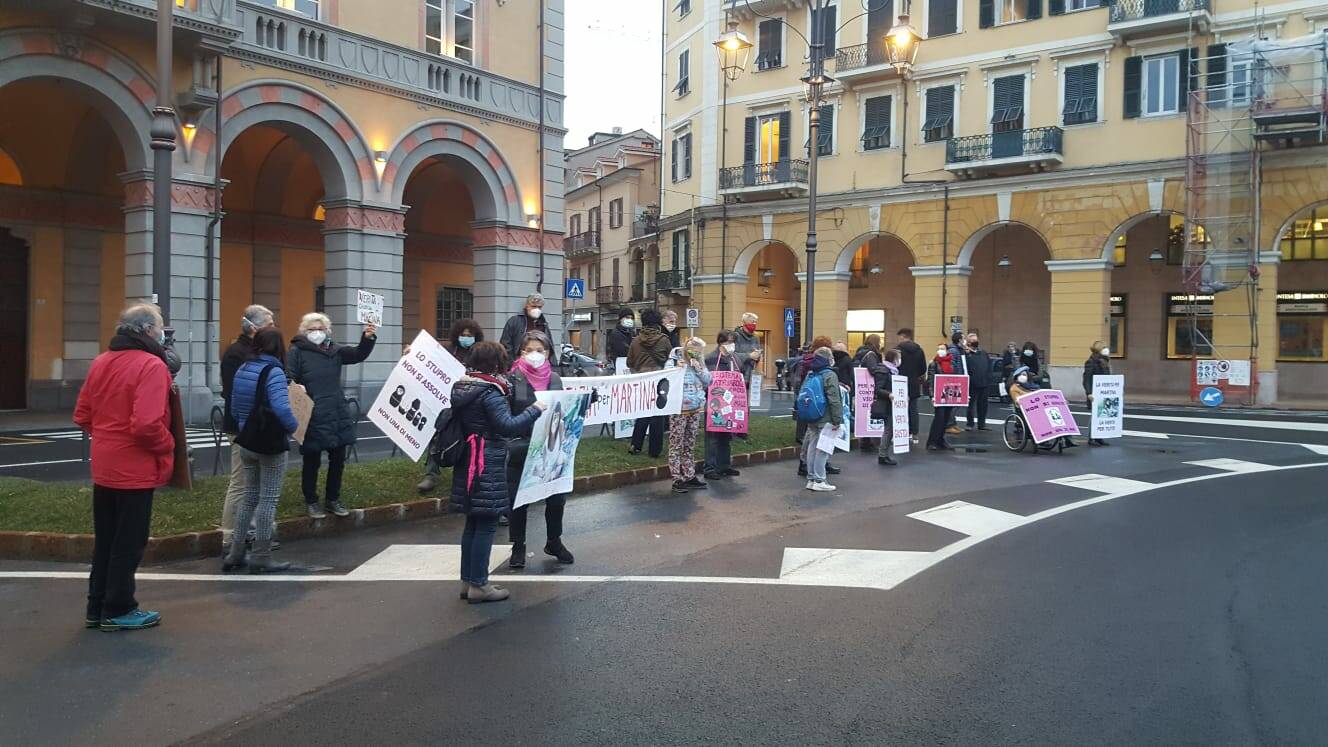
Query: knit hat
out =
(825, 353)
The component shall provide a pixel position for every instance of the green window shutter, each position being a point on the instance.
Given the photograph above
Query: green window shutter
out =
(1134, 84)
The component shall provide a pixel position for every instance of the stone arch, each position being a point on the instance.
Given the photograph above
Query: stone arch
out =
(965, 258)
(1284, 226)
(337, 147)
(116, 87)
(749, 253)
(850, 249)
(1110, 244)
(493, 188)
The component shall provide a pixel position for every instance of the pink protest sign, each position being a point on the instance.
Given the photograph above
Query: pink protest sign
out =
(726, 403)
(1047, 414)
(864, 393)
(950, 390)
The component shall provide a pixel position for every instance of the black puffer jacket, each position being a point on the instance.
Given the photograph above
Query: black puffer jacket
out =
(522, 397)
(231, 360)
(318, 368)
(486, 418)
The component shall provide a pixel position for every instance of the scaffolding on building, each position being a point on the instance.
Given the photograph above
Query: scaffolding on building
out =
(1255, 96)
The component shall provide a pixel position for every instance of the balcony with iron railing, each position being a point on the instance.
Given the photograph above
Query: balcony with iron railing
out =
(861, 62)
(642, 293)
(1013, 151)
(1130, 18)
(784, 178)
(674, 281)
(609, 295)
(581, 245)
(646, 225)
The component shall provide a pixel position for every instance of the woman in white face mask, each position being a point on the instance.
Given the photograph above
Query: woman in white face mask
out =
(532, 372)
(1098, 364)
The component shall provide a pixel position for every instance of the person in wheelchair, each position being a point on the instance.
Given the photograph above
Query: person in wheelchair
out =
(1021, 383)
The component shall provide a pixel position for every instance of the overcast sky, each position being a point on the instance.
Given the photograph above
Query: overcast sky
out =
(612, 67)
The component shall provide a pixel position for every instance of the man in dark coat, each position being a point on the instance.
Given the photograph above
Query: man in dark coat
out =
(649, 351)
(315, 361)
(531, 319)
(747, 345)
(255, 318)
(979, 382)
(913, 364)
(619, 339)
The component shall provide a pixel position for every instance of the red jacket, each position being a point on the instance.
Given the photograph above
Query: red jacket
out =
(125, 407)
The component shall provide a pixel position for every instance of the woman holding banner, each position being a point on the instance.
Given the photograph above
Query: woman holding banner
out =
(684, 425)
(461, 339)
(479, 482)
(1098, 364)
(532, 373)
(943, 363)
(718, 456)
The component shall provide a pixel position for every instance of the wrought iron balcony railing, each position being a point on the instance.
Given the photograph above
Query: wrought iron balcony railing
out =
(860, 56)
(642, 292)
(645, 226)
(997, 145)
(583, 244)
(787, 171)
(1123, 11)
(673, 280)
(607, 295)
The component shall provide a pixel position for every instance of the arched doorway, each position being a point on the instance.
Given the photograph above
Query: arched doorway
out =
(1009, 291)
(880, 288)
(62, 222)
(772, 286)
(1302, 305)
(1148, 337)
(438, 281)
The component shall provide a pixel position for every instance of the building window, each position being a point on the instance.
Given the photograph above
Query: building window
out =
(682, 87)
(1083, 4)
(1306, 237)
(770, 44)
(593, 222)
(1189, 326)
(309, 8)
(1010, 11)
(942, 17)
(1176, 239)
(1118, 252)
(939, 122)
(1161, 85)
(616, 214)
(1007, 104)
(1116, 334)
(1080, 102)
(876, 123)
(453, 305)
(1302, 317)
(825, 132)
(684, 7)
(769, 128)
(823, 24)
(682, 250)
(449, 28)
(574, 224)
(682, 157)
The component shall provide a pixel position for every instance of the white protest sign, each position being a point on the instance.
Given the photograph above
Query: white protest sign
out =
(551, 458)
(629, 397)
(1108, 416)
(416, 392)
(622, 428)
(754, 391)
(899, 428)
(846, 422)
(368, 307)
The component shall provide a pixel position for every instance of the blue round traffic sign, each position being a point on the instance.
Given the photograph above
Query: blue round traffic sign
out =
(1211, 396)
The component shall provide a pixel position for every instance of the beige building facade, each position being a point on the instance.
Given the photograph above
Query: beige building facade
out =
(1026, 178)
(411, 148)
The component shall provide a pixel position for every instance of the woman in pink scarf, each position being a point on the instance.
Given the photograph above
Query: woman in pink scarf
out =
(532, 373)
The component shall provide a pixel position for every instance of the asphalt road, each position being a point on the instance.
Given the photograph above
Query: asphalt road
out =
(1102, 596)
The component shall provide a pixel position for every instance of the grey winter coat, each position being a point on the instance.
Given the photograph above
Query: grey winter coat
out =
(318, 368)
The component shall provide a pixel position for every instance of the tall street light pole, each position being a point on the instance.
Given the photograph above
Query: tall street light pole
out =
(163, 145)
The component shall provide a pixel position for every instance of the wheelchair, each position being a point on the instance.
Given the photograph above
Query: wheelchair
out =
(1017, 436)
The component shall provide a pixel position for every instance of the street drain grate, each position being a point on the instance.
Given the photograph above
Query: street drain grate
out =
(974, 450)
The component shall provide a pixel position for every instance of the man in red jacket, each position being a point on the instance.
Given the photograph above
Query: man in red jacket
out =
(125, 408)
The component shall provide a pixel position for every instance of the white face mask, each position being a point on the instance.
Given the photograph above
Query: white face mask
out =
(536, 359)
(729, 347)
(1106, 352)
(316, 336)
(1028, 353)
(536, 312)
(942, 353)
(1022, 379)
(628, 323)
(161, 337)
(670, 326)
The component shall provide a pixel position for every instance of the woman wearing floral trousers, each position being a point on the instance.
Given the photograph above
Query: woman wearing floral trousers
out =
(684, 426)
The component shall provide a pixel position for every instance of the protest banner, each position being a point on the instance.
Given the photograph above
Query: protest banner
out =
(754, 392)
(551, 460)
(622, 428)
(726, 403)
(416, 391)
(302, 407)
(899, 429)
(1047, 414)
(864, 391)
(1108, 415)
(629, 397)
(950, 390)
(368, 307)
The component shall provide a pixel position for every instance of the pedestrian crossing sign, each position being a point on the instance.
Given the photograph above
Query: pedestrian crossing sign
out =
(576, 289)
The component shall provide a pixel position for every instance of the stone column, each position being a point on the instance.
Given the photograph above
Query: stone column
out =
(831, 304)
(1080, 314)
(364, 246)
(507, 270)
(931, 323)
(706, 290)
(1269, 267)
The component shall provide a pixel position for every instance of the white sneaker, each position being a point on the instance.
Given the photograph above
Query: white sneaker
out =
(913, 439)
(810, 484)
(821, 487)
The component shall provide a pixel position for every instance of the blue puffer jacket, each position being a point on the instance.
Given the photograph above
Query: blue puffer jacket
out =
(246, 385)
(694, 382)
(479, 481)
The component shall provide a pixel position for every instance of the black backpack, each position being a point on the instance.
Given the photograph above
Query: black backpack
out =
(263, 432)
(449, 440)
